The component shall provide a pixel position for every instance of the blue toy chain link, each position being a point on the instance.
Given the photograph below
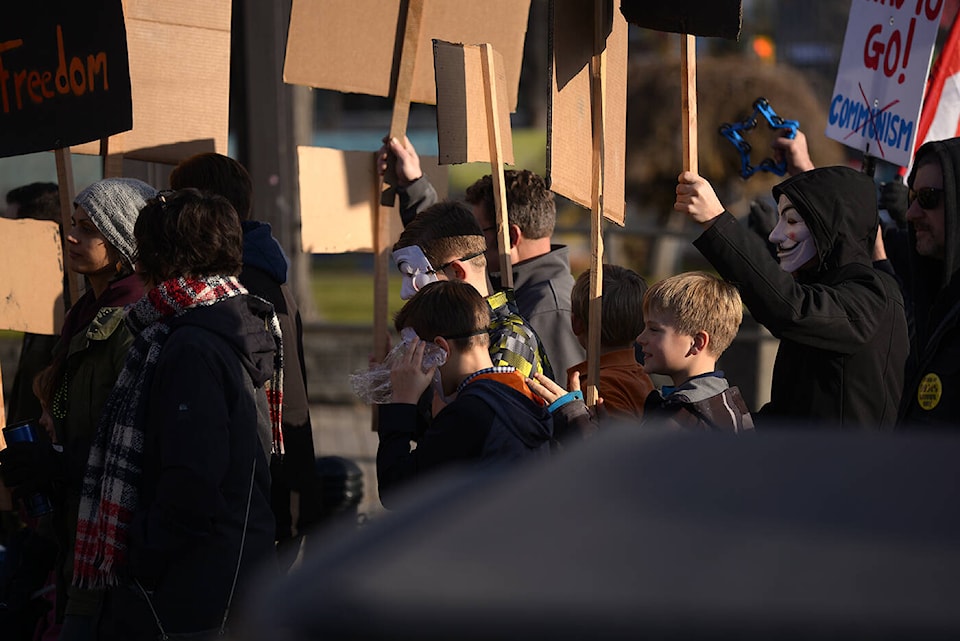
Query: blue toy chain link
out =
(731, 131)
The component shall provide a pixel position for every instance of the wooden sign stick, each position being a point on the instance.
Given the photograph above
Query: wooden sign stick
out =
(688, 98)
(598, 88)
(66, 190)
(381, 227)
(112, 163)
(490, 99)
(398, 129)
(6, 496)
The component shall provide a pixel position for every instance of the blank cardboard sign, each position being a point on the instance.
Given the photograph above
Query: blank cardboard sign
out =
(180, 77)
(339, 193)
(31, 276)
(570, 130)
(351, 45)
(462, 128)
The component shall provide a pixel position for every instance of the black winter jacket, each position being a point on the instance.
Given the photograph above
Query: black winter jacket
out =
(841, 325)
(207, 439)
(488, 424)
(931, 396)
(264, 274)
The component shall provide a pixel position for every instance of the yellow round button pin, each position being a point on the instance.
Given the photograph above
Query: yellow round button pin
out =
(928, 394)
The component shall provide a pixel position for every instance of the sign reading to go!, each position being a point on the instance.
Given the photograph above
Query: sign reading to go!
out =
(883, 70)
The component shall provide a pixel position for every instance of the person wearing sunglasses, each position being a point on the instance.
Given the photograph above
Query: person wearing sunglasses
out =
(840, 321)
(930, 397)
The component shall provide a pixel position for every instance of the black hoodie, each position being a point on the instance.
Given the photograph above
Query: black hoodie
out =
(841, 325)
(930, 397)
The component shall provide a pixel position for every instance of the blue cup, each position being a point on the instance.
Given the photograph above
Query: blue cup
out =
(26, 431)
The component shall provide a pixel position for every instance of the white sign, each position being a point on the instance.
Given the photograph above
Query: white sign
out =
(883, 70)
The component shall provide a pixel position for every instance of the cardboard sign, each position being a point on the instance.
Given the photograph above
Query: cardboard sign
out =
(180, 72)
(64, 77)
(339, 194)
(570, 131)
(31, 276)
(883, 67)
(462, 128)
(351, 45)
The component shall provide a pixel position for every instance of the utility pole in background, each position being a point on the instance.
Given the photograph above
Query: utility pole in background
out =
(268, 119)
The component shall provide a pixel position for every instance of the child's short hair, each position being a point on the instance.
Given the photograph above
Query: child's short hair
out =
(443, 230)
(453, 309)
(622, 304)
(699, 301)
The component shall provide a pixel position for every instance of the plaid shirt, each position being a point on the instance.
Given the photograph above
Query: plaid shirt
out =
(513, 342)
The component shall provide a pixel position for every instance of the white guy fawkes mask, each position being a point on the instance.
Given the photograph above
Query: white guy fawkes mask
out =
(416, 269)
(795, 244)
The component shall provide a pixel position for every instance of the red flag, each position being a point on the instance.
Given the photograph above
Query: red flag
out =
(940, 116)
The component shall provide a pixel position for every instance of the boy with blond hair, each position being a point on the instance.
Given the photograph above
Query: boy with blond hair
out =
(689, 320)
(623, 385)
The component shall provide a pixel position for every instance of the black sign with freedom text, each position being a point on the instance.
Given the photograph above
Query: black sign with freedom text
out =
(64, 74)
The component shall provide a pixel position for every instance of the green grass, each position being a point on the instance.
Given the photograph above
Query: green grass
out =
(342, 297)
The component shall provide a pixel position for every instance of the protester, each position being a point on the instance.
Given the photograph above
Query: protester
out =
(541, 270)
(175, 512)
(447, 235)
(264, 274)
(689, 321)
(624, 384)
(88, 358)
(929, 396)
(38, 201)
(494, 419)
(841, 323)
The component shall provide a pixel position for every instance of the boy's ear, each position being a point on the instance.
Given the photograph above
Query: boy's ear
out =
(459, 270)
(515, 234)
(442, 343)
(700, 342)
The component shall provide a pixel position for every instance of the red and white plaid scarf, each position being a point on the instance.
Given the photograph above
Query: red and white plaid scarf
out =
(109, 493)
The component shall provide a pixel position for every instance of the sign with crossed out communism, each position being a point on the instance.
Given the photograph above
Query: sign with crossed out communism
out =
(880, 81)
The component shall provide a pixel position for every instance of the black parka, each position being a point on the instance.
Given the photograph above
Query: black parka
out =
(841, 324)
(930, 396)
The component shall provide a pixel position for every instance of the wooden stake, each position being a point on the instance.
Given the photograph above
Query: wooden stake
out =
(112, 164)
(6, 496)
(398, 130)
(688, 98)
(66, 190)
(490, 99)
(598, 82)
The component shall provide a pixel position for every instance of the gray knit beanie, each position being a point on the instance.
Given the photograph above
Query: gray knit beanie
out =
(113, 205)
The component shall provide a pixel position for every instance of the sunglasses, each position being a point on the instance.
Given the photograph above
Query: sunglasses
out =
(928, 198)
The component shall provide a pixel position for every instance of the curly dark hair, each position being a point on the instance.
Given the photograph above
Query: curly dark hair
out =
(188, 233)
(530, 205)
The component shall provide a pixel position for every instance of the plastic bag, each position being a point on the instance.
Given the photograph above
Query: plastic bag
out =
(373, 385)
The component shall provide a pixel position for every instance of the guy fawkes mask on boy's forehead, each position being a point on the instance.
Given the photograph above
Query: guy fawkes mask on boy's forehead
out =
(416, 270)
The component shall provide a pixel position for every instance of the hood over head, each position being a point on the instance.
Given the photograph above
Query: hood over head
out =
(839, 206)
(113, 205)
(947, 152)
(935, 283)
(261, 250)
